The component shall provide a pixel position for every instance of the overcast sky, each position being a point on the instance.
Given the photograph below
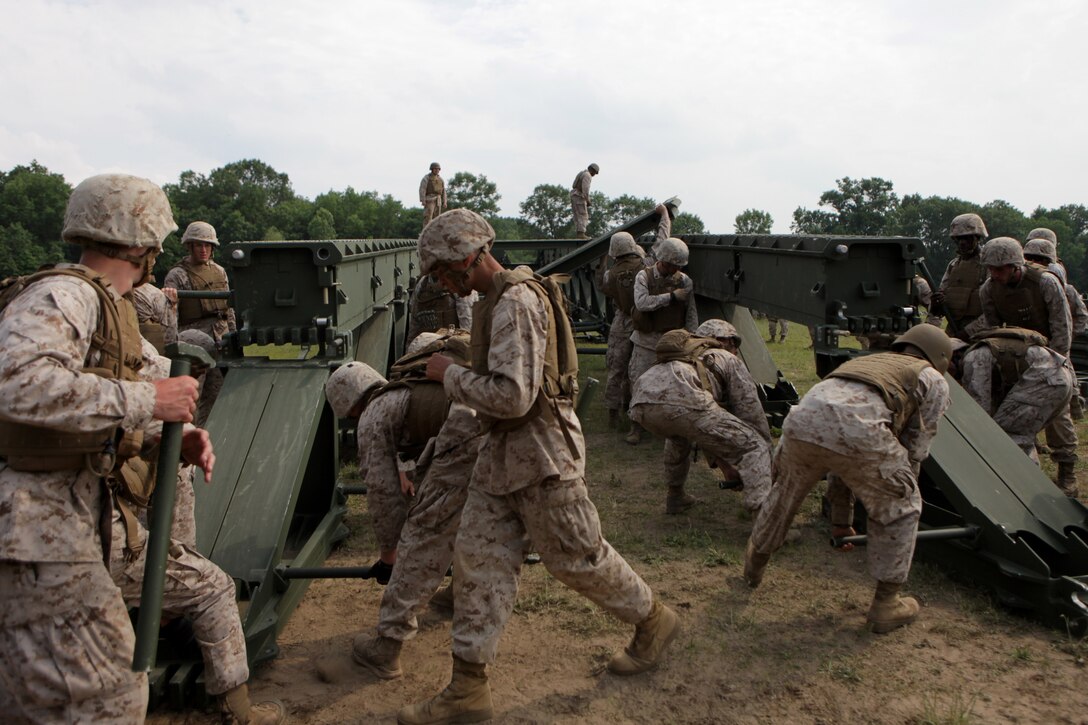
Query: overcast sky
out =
(728, 104)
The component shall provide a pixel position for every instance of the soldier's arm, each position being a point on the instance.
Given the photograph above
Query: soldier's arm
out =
(1061, 321)
(643, 299)
(664, 224)
(378, 431)
(918, 434)
(423, 190)
(742, 396)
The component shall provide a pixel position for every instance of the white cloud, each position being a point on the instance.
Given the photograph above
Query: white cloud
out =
(731, 105)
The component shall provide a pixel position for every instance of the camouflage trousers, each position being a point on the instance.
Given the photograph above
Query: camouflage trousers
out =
(721, 435)
(431, 209)
(617, 390)
(1061, 436)
(194, 588)
(1036, 402)
(66, 646)
(388, 507)
(884, 481)
(783, 327)
(424, 554)
(641, 360)
(562, 523)
(210, 385)
(580, 209)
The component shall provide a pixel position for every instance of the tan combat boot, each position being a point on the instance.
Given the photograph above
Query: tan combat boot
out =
(652, 636)
(634, 436)
(1067, 478)
(677, 501)
(235, 709)
(380, 655)
(889, 610)
(466, 699)
(755, 564)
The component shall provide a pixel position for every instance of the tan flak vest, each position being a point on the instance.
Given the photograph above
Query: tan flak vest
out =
(202, 278)
(670, 317)
(428, 406)
(896, 377)
(435, 185)
(1009, 346)
(683, 346)
(560, 357)
(1023, 305)
(112, 454)
(154, 333)
(961, 298)
(434, 308)
(621, 281)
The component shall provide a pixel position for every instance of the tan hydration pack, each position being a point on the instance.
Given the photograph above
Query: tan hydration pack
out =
(683, 346)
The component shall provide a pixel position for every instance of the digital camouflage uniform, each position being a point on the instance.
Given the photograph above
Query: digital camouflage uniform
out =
(432, 195)
(845, 427)
(66, 641)
(727, 422)
(617, 390)
(1051, 318)
(1039, 394)
(156, 314)
(426, 542)
(783, 327)
(579, 201)
(644, 343)
(432, 308)
(381, 432)
(527, 484)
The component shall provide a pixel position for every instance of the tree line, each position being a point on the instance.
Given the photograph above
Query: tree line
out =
(250, 200)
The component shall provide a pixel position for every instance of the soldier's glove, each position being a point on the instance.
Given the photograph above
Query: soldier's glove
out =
(682, 294)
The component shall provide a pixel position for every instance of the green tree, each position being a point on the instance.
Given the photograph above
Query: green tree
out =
(20, 253)
(753, 221)
(624, 208)
(812, 221)
(477, 193)
(547, 210)
(687, 223)
(321, 226)
(928, 218)
(32, 204)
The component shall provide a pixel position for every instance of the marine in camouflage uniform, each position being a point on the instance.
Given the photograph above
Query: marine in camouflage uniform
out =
(775, 324)
(722, 416)
(432, 194)
(1024, 295)
(157, 316)
(1019, 381)
(957, 295)
(579, 199)
(870, 423)
(66, 641)
(433, 309)
(618, 283)
(528, 480)
(216, 318)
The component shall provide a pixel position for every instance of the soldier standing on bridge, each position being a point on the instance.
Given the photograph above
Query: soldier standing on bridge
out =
(1022, 295)
(432, 194)
(579, 199)
(870, 422)
(528, 482)
(957, 295)
(70, 367)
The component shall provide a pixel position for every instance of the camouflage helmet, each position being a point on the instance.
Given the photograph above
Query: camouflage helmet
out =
(1040, 247)
(594, 168)
(966, 225)
(436, 165)
(1001, 251)
(199, 338)
(451, 237)
(623, 243)
(200, 232)
(1043, 233)
(932, 341)
(718, 329)
(673, 251)
(348, 384)
(119, 210)
(421, 341)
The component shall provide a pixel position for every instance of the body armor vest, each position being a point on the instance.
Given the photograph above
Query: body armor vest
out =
(1023, 305)
(202, 278)
(1009, 346)
(154, 333)
(670, 317)
(435, 308)
(896, 377)
(435, 185)
(560, 357)
(113, 454)
(961, 298)
(621, 281)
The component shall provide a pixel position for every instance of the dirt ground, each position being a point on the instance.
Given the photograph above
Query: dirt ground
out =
(793, 651)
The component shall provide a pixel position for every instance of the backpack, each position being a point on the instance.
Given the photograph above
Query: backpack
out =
(683, 346)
